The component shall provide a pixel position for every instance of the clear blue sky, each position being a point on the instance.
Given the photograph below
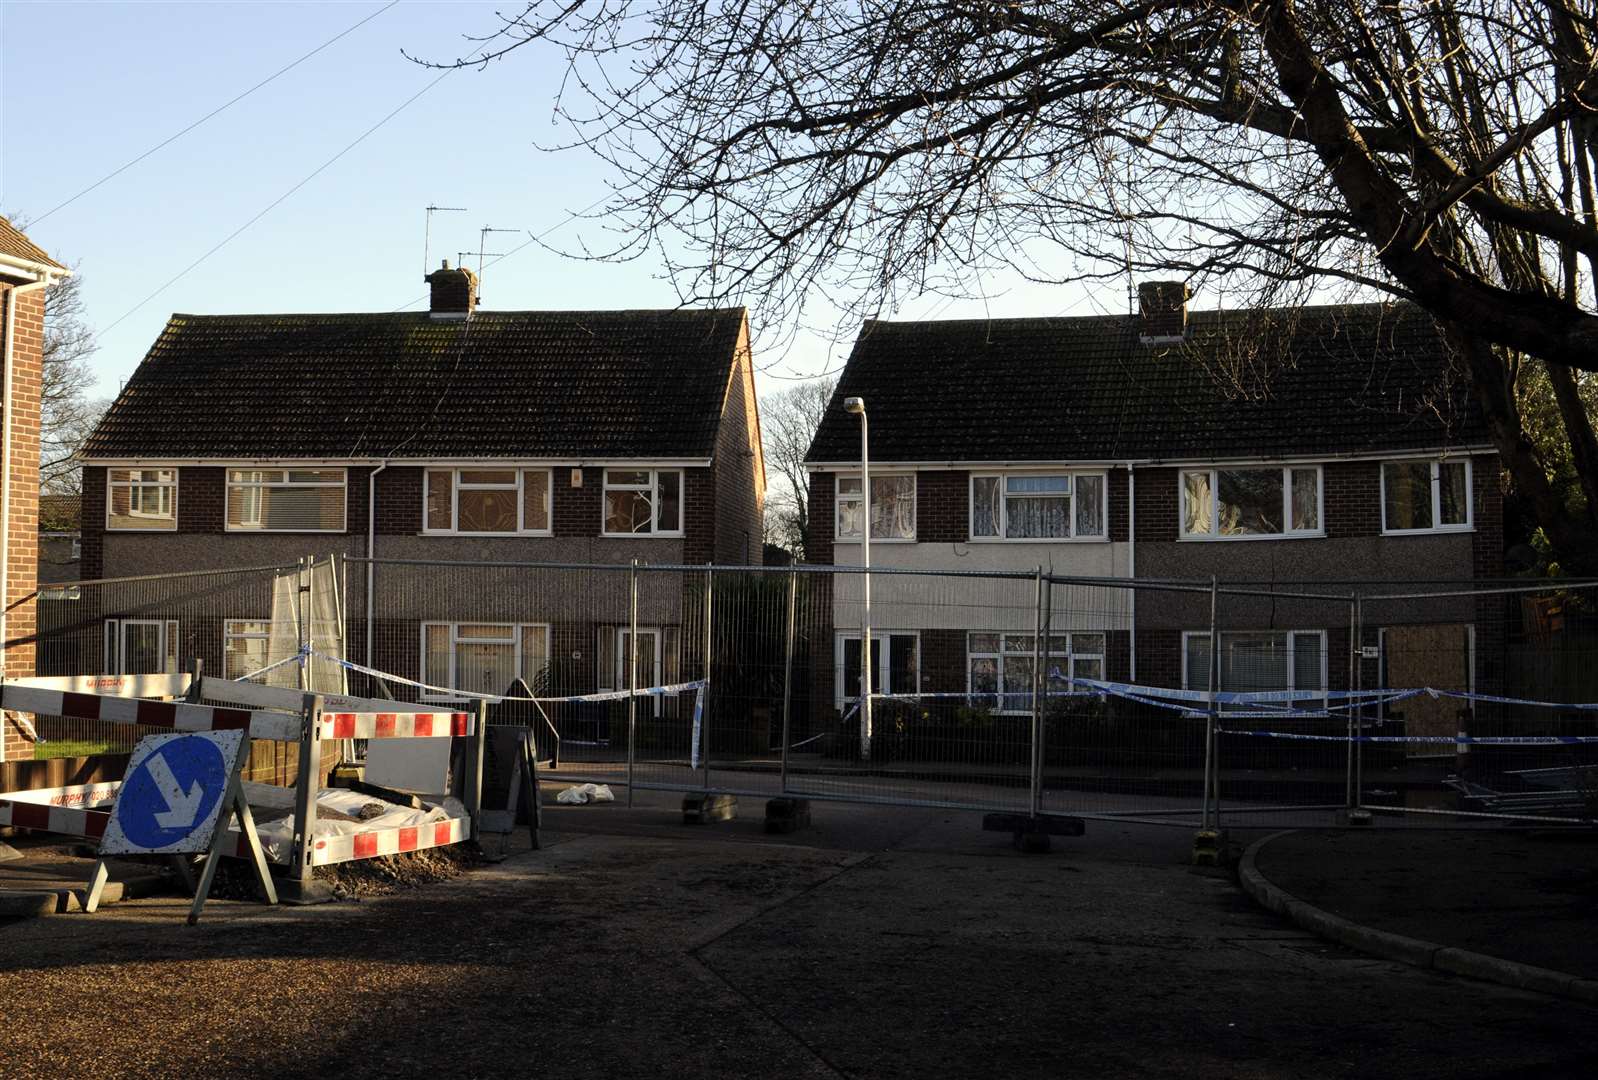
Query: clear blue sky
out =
(86, 87)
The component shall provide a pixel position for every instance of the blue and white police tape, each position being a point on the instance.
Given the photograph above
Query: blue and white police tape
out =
(607, 695)
(298, 658)
(1461, 740)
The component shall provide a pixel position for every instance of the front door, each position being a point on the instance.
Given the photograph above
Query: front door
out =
(648, 663)
(1438, 656)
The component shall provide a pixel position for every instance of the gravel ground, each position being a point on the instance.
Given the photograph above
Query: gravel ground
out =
(646, 948)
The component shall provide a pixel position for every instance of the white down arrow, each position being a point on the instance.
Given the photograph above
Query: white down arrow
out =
(181, 809)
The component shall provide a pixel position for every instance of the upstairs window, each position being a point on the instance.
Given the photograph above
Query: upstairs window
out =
(487, 501)
(285, 500)
(893, 506)
(1426, 496)
(643, 502)
(1228, 503)
(1038, 506)
(142, 499)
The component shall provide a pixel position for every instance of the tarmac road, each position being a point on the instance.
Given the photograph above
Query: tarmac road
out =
(884, 943)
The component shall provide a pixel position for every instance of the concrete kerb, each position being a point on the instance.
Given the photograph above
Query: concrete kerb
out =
(33, 903)
(1408, 950)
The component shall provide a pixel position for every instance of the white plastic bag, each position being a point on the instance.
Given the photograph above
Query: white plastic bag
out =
(585, 793)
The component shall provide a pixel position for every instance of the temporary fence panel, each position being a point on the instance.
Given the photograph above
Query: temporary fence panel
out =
(1197, 703)
(258, 623)
(1507, 726)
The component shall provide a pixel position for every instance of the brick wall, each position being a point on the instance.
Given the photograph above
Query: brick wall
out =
(202, 499)
(819, 527)
(943, 507)
(1156, 505)
(737, 490)
(1353, 498)
(399, 501)
(92, 564)
(1116, 482)
(22, 545)
(699, 516)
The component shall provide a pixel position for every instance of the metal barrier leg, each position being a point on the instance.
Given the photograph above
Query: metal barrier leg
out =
(300, 887)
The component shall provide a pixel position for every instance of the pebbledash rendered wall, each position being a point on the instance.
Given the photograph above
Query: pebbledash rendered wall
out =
(27, 358)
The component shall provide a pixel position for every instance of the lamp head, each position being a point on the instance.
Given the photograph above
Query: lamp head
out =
(854, 405)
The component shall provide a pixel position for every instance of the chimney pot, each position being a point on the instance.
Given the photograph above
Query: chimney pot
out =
(1162, 311)
(454, 292)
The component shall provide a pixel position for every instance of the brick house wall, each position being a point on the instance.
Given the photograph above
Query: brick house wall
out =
(943, 501)
(738, 488)
(22, 545)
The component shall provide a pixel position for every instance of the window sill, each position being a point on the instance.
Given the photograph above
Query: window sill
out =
(642, 536)
(283, 532)
(1252, 537)
(1036, 540)
(1446, 530)
(875, 540)
(131, 529)
(499, 535)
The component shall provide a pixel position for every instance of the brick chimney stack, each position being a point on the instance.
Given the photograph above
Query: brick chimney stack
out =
(454, 292)
(1162, 311)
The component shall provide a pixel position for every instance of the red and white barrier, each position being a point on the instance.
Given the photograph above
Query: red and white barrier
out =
(375, 842)
(69, 810)
(175, 715)
(67, 820)
(395, 725)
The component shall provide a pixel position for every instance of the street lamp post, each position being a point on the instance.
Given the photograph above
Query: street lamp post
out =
(857, 406)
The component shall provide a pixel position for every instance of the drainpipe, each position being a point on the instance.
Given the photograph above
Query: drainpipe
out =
(5, 451)
(371, 553)
(1131, 558)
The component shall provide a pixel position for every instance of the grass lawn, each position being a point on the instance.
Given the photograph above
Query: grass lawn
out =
(59, 748)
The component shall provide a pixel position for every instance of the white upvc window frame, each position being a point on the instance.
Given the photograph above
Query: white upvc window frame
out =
(652, 487)
(116, 642)
(456, 484)
(230, 633)
(257, 487)
(1312, 705)
(1436, 464)
(1214, 471)
(135, 487)
(514, 633)
(1002, 476)
(839, 498)
(881, 672)
(1071, 657)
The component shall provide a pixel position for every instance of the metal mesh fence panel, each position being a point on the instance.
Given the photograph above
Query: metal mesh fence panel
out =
(1506, 726)
(1194, 703)
(233, 622)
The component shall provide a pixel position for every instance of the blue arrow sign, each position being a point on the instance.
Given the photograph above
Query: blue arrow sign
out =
(171, 791)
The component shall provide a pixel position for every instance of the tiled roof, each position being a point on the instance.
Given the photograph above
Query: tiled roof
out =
(14, 243)
(503, 384)
(60, 513)
(1311, 381)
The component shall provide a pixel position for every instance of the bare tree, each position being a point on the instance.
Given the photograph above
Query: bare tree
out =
(68, 409)
(1436, 151)
(788, 421)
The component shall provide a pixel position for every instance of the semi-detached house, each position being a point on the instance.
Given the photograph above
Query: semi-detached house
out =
(1334, 444)
(454, 434)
